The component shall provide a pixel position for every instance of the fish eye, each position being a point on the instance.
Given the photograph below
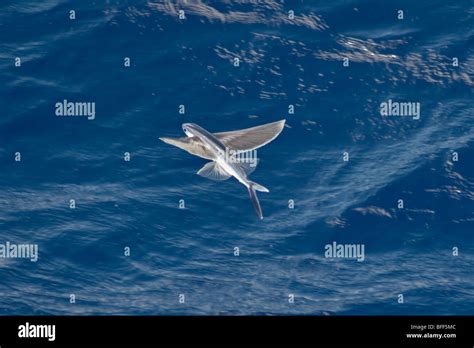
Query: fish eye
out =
(186, 130)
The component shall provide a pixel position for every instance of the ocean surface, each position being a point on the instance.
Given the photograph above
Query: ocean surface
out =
(423, 251)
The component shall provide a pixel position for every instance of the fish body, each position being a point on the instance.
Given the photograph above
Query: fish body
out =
(218, 151)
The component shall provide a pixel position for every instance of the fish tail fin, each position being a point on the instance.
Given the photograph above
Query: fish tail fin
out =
(255, 202)
(258, 187)
(252, 187)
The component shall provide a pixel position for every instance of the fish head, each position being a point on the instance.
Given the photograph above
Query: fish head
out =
(191, 129)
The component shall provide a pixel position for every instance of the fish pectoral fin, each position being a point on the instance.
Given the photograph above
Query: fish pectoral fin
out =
(213, 171)
(192, 145)
(251, 138)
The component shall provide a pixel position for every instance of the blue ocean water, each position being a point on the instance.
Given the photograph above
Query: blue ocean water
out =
(190, 62)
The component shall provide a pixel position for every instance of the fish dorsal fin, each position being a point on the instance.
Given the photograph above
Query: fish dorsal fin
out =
(251, 138)
(213, 171)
